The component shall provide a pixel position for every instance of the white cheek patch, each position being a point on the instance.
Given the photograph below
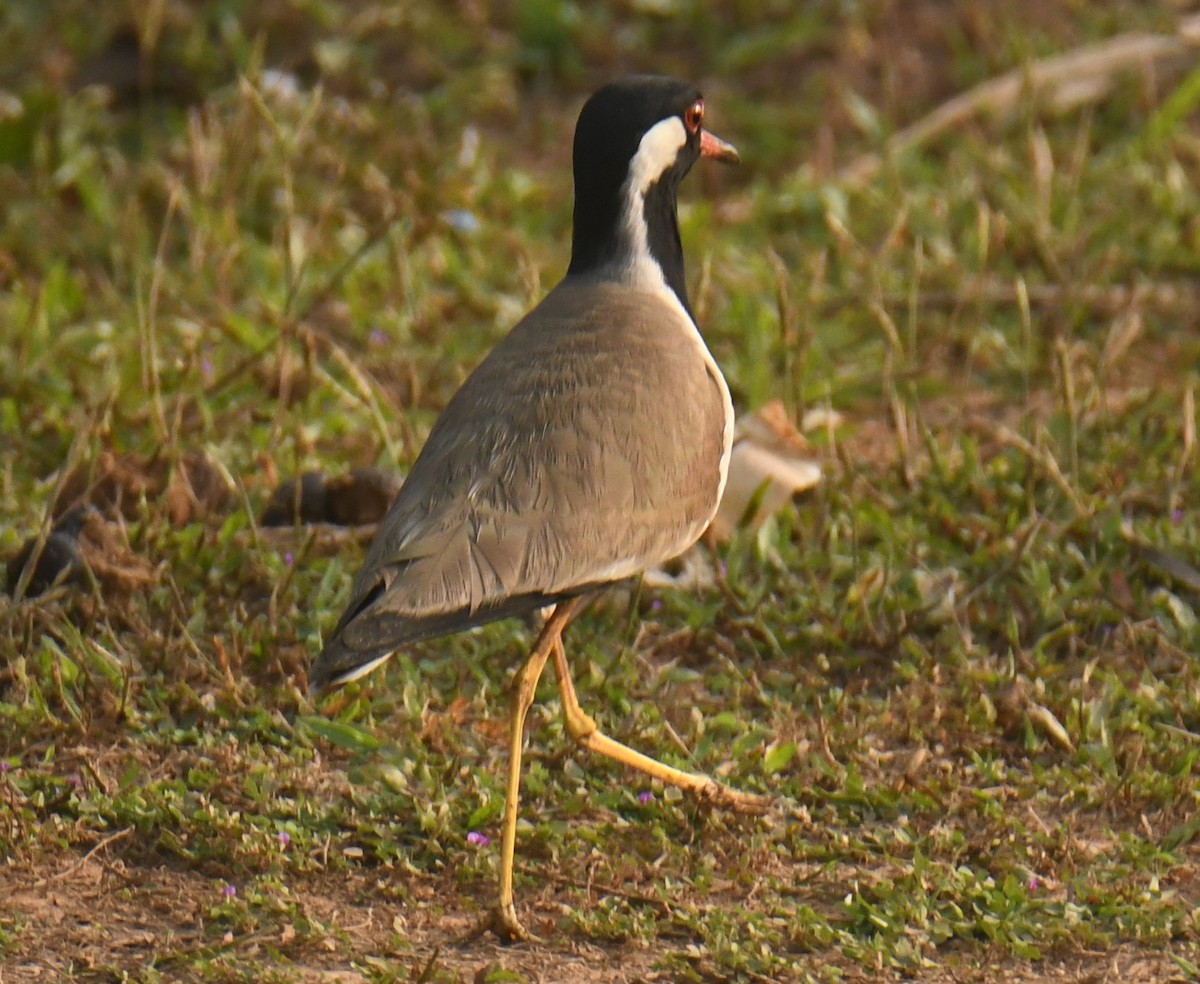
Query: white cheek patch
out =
(657, 151)
(656, 154)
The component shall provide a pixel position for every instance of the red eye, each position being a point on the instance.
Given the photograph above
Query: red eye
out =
(694, 116)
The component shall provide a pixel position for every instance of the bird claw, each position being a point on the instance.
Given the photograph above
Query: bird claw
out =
(718, 794)
(503, 922)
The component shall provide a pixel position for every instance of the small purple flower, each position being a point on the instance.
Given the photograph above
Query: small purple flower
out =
(377, 336)
(645, 796)
(288, 558)
(284, 839)
(206, 369)
(4, 767)
(229, 891)
(476, 839)
(1176, 515)
(1032, 885)
(656, 605)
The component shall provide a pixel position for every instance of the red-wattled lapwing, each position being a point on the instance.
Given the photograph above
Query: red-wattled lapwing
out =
(592, 443)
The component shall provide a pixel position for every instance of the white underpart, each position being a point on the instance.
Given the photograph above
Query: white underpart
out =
(359, 671)
(659, 147)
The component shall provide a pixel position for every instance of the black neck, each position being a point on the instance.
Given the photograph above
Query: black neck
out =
(604, 243)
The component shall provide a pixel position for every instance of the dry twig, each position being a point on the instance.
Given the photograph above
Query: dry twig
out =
(1077, 78)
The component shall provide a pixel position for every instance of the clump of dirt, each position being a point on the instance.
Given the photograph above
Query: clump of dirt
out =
(190, 489)
(357, 498)
(56, 561)
(81, 540)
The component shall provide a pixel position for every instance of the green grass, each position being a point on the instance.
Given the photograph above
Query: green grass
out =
(966, 664)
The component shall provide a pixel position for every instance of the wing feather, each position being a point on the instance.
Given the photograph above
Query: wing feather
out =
(584, 449)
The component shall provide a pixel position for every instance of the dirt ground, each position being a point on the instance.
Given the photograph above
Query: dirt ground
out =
(95, 914)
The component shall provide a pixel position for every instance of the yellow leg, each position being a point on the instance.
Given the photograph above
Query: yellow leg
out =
(585, 731)
(503, 921)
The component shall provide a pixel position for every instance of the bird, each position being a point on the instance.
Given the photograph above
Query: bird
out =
(590, 444)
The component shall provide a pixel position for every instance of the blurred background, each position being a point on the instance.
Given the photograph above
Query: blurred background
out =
(395, 177)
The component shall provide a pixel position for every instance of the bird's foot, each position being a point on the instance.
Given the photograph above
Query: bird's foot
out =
(503, 922)
(719, 794)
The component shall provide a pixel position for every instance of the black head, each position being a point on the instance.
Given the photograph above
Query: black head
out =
(635, 140)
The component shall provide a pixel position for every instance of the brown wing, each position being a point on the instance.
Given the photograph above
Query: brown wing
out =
(585, 448)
